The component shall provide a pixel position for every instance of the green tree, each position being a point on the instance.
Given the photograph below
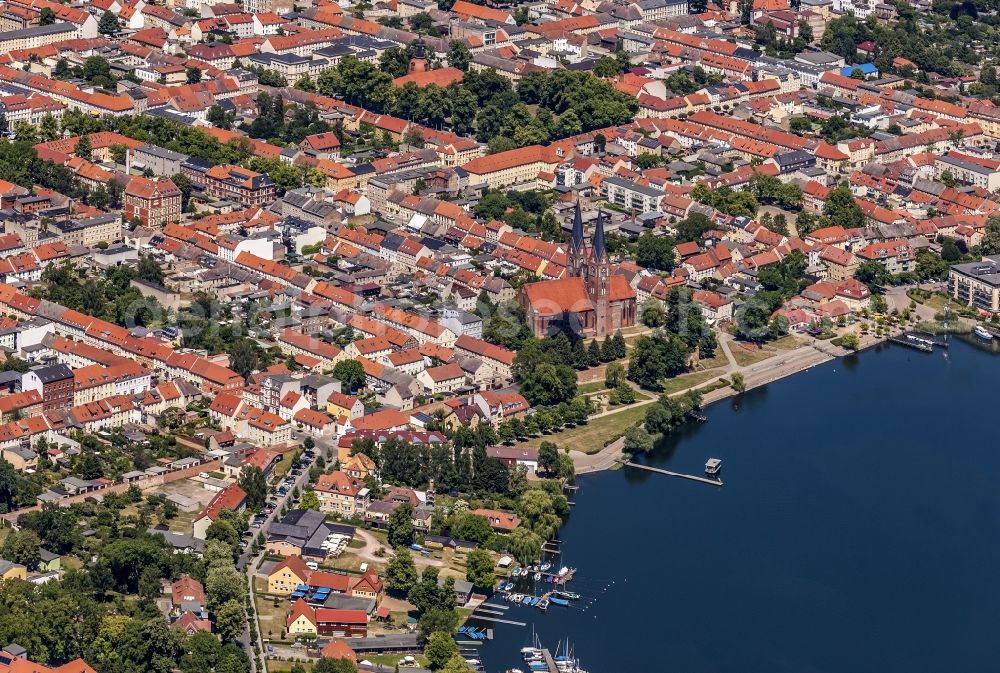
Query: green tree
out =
(524, 544)
(421, 23)
(310, 501)
(230, 620)
(22, 547)
(440, 649)
(350, 373)
(655, 252)
(84, 149)
(193, 75)
(637, 440)
(401, 572)
(224, 583)
(243, 358)
(840, 208)
(401, 526)
(459, 55)
(479, 569)
(254, 484)
(548, 456)
(471, 527)
(108, 24)
(47, 16)
(614, 375)
(328, 665)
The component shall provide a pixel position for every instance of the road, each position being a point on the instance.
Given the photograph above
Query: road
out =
(249, 564)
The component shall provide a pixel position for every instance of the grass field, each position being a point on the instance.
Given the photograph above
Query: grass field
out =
(593, 436)
(590, 388)
(685, 381)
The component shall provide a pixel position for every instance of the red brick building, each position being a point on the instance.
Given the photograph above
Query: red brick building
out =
(152, 202)
(590, 300)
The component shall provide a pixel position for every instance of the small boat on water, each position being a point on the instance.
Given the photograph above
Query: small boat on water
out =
(555, 600)
(526, 600)
(571, 595)
(516, 572)
(983, 333)
(546, 566)
(538, 576)
(508, 586)
(543, 604)
(563, 571)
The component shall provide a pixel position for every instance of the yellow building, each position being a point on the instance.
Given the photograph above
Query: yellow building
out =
(287, 575)
(12, 571)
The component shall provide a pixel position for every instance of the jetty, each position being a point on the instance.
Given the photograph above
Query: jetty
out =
(489, 618)
(691, 477)
(915, 343)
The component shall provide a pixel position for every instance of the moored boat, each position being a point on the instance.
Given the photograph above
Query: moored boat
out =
(983, 333)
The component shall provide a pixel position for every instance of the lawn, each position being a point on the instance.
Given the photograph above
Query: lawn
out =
(285, 464)
(592, 387)
(183, 521)
(786, 343)
(745, 358)
(936, 301)
(596, 434)
(685, 381)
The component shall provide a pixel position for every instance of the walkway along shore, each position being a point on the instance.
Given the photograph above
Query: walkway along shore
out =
(754, 376)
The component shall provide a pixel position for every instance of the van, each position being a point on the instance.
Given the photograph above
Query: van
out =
(312, 565)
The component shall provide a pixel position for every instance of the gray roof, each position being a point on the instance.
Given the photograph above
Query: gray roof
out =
(53, 373)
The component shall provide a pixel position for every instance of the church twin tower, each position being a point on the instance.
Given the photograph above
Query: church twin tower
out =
(592, 265)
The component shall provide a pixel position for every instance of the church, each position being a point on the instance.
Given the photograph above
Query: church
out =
(589, 300)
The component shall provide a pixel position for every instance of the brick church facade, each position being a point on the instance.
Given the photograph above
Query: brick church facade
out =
(590, 300)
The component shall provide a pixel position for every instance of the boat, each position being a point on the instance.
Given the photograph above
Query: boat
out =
(534, 601)
(571, 595)
(983, 333)
(526, 600)
(543, 604)
(546, 566)
(515, 598)
(555, 600)
(538, 576)
(508, 586)
(713, 466)
(516, 572)
(563, 571)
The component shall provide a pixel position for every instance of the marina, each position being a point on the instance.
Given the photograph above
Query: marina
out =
(798, 524)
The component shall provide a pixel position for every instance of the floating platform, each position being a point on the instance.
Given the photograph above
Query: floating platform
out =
(690, 477)
(916, 344)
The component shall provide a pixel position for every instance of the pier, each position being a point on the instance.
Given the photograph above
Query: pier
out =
(691, 477)
(488, 618)
(915, 343)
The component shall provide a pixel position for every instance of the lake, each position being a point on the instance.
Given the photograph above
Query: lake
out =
(857, 530)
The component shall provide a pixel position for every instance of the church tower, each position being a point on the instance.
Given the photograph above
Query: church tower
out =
(597, 279)
(419, 61)
(577, 249)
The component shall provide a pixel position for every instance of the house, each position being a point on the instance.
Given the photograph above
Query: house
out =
(12, 571)
(326, 622)
(340, 493)
(511, 456)
(187, 590)
(152, 202)
(502, 522)
(231, 497)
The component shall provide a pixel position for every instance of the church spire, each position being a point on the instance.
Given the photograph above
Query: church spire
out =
(577, 228)
(600, 247)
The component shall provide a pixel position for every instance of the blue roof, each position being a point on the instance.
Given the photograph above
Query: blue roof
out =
(866, 68)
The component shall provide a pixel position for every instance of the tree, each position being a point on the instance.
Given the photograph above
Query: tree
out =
(224, 583)
(328, 665)
(243, 357)
(637, 440)
(223, 531)
(842, 210)
(401, 572)
(108, 24)
(479, 569)
(422, 23)
(549, 384)
(459, 55)
(310, 501)
(471, 527)
(457, 664)
(47, 16)
(614, 375)
(655, 252)
(548, 456)
(149, 270)
(350, 373)
(183, 183)
(84, 149)
(230, 619)
(401, 526)
(525, 545)
(738, 382)
(119, 153)
(656, 357)
(253, 482)
(440, 649)
(22, 547)
(193, 75)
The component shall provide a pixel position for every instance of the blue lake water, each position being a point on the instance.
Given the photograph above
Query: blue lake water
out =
(858, 530)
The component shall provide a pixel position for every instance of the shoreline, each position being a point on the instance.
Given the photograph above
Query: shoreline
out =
(760, 374)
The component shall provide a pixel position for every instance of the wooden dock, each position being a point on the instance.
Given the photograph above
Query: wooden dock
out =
(691, 477)
(921, 346)
(488, 618)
